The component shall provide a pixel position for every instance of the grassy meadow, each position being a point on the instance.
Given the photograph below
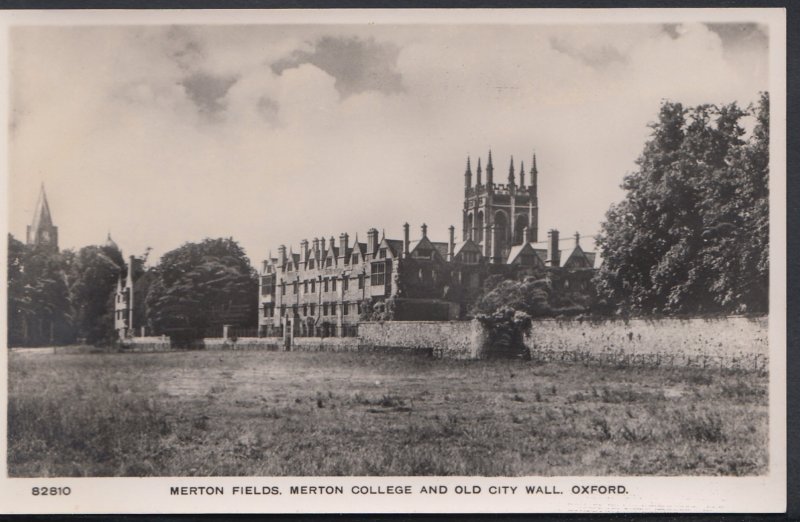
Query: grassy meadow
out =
(278, 413)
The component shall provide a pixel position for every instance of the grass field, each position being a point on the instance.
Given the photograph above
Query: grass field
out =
(278, 413)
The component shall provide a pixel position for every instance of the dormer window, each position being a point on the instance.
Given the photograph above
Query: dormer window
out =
(355, 259)
(329, 262)
(382, 253)
(311, 263)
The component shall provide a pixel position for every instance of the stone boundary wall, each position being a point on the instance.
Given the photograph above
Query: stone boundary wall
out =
(325, 344)
(726, 342)
(243, 344)
(146, 344)
(445, 339)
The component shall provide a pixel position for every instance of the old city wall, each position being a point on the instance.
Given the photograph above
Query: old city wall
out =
(727, 342)
(448, 339)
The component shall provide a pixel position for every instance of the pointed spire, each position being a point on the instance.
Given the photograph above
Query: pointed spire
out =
(383, 234)
(534, 173)
(489, 170)
(468, 175)
(511, 172)
(479, 172)
(521, 173)
(41, 216)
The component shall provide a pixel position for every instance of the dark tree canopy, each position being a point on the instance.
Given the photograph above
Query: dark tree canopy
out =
(39, 310)
(93, 276)
(692, 234)
(195, 281)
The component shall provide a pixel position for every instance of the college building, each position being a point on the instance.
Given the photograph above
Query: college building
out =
(328, 285)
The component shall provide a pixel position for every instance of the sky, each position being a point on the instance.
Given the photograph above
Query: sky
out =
(274, 133)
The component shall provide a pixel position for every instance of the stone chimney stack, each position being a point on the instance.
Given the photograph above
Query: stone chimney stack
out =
(577, 239)
(344, 243)
(303, 250)
(424, 228)
(372, 241)
(282, 256)
(406, 240)
(553, 253)
(526, 234)
(322, 244)
(315, 246)
(451, 248)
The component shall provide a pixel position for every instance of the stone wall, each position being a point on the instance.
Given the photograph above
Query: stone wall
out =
(147, 344)
(447, 339)
(325, 344)
(243, 343)
(727, 342)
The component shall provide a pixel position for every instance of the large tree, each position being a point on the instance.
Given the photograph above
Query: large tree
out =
(93, 276)
(193, 282)
(39, 310)
(692, 234)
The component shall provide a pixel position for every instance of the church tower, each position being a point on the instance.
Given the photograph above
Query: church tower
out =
(498, 216)
(41, 231)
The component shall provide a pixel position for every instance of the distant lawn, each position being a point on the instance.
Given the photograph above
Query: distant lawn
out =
(278, 413)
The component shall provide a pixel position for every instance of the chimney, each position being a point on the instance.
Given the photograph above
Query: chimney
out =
(282, 256)
(315, 245)
(424, 228)
(372, 241)
(526, 233)
(331, 246)
(577, 239)
(344, 241)
(304, 250)
(130, 271)
(406, 240)
(451, 250)
(322, 244)
(553, 253)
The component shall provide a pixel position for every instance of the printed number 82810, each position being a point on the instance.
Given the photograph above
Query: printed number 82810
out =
(51, 491)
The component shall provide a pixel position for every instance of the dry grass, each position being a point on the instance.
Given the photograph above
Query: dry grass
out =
(277, 413)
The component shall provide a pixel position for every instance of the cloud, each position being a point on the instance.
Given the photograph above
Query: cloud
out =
(357, 65)
(207, 91)
(274, 133)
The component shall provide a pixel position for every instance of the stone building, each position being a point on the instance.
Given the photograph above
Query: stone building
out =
(41, 232)
(328, 286)
(123, 302)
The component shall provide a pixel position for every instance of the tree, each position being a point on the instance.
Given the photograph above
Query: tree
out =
(691, 234)
(195, 281)
(93, 277)
(39, 309)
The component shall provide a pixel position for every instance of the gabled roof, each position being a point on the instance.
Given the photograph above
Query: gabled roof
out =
(425, 243)
(467, 246)
(394, 245)
(525, 248)
(441, 247)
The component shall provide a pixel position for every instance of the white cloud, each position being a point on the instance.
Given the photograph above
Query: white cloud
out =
(104, 117)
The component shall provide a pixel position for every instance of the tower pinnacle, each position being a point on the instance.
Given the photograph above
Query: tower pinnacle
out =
(479, 172)
(41, 231)
(489, 171)
(521, 173)
(468, 175)
(511, 172)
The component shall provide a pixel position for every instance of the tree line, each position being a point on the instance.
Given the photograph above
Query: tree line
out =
(68, 296)
(691, 236)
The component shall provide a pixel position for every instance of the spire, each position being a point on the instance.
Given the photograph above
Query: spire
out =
(479, 172)
(41, 216)
(383, 234)
(521, 173)
(489, 170)
(468, 175)
(511, 172)
(534, 173)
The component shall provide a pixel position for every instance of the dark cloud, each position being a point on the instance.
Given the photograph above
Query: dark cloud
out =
(671, 30)
(596, 57)
(736, 36)
(207, 91)
(183, 48)
(357, 65)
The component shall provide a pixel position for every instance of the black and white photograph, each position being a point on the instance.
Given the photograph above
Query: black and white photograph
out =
(446, 260)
